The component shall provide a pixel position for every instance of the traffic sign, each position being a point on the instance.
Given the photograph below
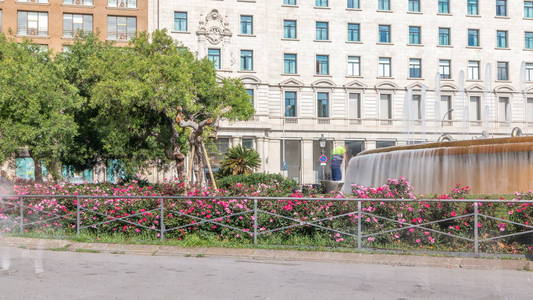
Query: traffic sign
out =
(323, 159)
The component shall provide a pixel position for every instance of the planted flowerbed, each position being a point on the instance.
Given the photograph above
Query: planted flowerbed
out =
(384, 224)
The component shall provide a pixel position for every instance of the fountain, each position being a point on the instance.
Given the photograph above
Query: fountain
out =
(488, 166)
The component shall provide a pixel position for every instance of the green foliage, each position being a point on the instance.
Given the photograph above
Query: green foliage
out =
(282, 184)
(134, 95)
(240, 160)
(36, 104)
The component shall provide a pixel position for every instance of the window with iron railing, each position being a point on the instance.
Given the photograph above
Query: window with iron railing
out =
(120, 28)
(122, 3)
(32, 23)
(79, 2)
(76, 23)
(33, 1)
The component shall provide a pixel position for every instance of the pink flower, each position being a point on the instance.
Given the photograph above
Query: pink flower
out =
(371, 239)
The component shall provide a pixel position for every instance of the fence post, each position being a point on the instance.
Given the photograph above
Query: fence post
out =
(255, 221)
(359, 229)
(21, 210)
(77, 216)
(476, 229)
(162, 219)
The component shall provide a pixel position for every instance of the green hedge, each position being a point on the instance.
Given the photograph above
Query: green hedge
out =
(275, 180)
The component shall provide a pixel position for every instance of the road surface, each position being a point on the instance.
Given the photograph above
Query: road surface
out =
(71, 275)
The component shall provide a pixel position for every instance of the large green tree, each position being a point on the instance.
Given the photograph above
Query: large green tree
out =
(36, 105)
(150, 102)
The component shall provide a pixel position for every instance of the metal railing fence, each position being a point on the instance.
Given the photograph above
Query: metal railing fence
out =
(15, 211)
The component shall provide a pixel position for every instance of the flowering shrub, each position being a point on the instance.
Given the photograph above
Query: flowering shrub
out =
(284, 219)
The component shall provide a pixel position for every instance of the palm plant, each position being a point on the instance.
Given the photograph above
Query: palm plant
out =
(240, 160)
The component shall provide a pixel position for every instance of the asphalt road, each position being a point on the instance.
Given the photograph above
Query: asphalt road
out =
(71, 275)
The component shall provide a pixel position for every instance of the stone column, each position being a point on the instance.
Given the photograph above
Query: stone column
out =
(308, 174)
(260, 143)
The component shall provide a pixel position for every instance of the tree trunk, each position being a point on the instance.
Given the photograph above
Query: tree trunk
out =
(38, 170)
(206, 157)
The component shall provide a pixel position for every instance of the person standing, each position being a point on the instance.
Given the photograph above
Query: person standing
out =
(336, 163)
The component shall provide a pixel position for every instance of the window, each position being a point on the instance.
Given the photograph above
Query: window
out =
(444, 36)
(180, 21)
(446, 107)
(501, 37)
(251, 93)
(384, 67)
(354, 106)
(529, 110)
(416, 108)
(289, 2)
(385, 144)
(473, 37)
(247, 25)
(383, 4)
(415, 35)
(413, 5)
(529, 72)
(289, 29)
(415, 68)
(528, 40)
(248, 143)
(503, 70)
(322, 64)
(445, 66)
(322, 105)
(0, 20)
(352, 4)
(213, 55)
(78, 2)
(354, 66)
(385, 106)
(321, 3)
(290, 63)
(384, 33)
(528, 9)
(32, 23)
(475, 108)
(122, 3)
(444, 6)
(501, 8)
(121, 28)
(504, 112)
(247, 60)
(322, 31)
(353, 32)
(290, 104)
(473, 70)
(472, 7)
(74, 23)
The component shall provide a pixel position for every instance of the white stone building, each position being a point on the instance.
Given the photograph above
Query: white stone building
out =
(365, 73)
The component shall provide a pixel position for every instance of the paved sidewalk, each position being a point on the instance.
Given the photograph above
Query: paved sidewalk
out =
(280, 255)
(58, 275)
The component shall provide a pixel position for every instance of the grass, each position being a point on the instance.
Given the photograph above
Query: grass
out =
(274, 242)
(81, 250)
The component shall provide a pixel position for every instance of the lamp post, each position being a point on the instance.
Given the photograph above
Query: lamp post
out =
(322, 143)
(284, 166)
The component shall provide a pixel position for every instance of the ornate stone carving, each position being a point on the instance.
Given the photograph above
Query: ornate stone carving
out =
(214, 27)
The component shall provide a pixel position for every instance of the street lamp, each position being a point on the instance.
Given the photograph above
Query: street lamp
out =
(322, 143)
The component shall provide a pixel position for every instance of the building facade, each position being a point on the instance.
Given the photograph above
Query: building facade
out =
(362, 73)
(53, 23)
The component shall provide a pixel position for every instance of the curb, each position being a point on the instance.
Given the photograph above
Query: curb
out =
(280, 255)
